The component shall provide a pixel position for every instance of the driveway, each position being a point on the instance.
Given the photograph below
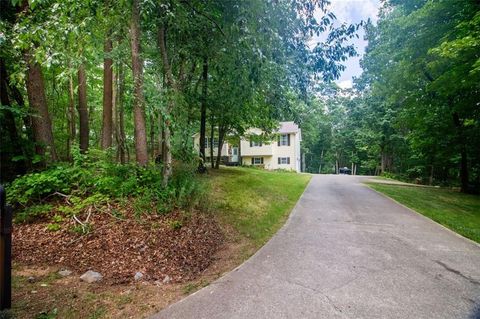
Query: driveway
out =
(347, 252)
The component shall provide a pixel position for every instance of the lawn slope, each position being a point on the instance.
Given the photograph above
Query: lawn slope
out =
(255, 202)
(456, 211)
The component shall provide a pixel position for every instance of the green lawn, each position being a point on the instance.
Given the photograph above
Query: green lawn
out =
(255, 202)
(457, 211)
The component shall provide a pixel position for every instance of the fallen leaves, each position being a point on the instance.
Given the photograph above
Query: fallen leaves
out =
(120, 248)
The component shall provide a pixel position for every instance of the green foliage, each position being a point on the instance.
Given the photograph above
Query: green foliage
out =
(32, 212)
(54, 227)
(94, 180)
(176, 224)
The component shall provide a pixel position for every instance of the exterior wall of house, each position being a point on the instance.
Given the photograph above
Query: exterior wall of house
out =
(286, 151)
(272, 151)
(267, 161)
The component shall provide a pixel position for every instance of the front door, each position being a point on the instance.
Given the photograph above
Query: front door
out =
(235, 154)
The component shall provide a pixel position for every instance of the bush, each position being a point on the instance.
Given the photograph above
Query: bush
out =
(93, 179)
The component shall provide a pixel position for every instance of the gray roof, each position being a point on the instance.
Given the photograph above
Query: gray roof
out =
(288, 127)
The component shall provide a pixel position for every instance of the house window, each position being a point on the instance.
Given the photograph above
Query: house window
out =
(208, 140)
(284, 160)
(257, 160)
(284, 140)
(255, 143)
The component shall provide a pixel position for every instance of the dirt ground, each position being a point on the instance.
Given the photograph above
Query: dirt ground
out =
(191, 249)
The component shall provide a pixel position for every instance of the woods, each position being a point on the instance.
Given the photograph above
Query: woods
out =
(414, 112)
(194, 64)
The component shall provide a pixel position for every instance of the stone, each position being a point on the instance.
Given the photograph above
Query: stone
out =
(138, 276)
(167, 279)
(64, 272)
(31, 279)
(91, 276)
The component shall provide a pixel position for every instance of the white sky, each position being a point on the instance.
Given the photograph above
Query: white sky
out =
(354, 11)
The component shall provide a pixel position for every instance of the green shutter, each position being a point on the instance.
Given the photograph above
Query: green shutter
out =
(288, 135)
(252, 158)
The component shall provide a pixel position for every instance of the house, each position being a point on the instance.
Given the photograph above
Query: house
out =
(230, 153)
(283, 152)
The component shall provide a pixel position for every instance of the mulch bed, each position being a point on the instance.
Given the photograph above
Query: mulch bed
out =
(176, 245)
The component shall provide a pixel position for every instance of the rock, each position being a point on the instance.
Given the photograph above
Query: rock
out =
(31, 279)
(167, 279)
(138, 276)
(157, 283)
(64, 272)
(91, 276)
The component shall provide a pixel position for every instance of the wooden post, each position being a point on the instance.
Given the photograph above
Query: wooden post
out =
(5, 252)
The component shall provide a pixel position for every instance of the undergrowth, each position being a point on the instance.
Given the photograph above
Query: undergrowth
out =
(93, 180)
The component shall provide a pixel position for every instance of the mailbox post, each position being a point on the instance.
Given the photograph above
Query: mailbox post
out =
(5, 252)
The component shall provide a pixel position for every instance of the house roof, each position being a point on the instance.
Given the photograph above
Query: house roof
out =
(288, 127)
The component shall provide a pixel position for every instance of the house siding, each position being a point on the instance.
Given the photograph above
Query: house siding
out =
(271, 151)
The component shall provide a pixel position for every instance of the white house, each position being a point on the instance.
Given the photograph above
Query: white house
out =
(283, 152)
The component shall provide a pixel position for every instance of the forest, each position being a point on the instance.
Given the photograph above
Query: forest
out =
(130, 82)
(414, 112)
(139, 78)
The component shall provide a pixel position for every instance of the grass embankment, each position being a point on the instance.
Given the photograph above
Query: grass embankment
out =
(255, 202)
(456, 211)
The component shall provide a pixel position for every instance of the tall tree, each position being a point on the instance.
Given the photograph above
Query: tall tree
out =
(41, 122)
(140, 131)
(107, 119)
(84, 131)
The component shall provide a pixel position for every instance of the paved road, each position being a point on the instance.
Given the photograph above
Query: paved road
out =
(347, 252)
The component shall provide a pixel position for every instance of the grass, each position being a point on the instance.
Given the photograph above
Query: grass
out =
(255, 202)
(456, 211)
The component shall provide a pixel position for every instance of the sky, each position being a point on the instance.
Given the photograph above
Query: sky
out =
(354, 11)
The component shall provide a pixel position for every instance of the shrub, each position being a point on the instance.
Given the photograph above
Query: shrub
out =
(94, 179)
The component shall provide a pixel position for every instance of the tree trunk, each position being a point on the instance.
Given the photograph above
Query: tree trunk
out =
(221, 135)
(212, 129)
(138, 98)
(463, 153)
(83, 109)
(152, 136)
(321, 162)
(121, 138)
(107, 96)
(203, 115)
(167, 164)
(167, 155)
(72, 132)
(41, 122)
(336, 163)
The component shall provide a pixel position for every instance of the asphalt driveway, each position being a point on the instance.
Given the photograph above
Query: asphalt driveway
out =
(348, 252)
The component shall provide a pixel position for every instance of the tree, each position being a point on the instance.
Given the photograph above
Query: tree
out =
(107, 122)
(137, 71)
